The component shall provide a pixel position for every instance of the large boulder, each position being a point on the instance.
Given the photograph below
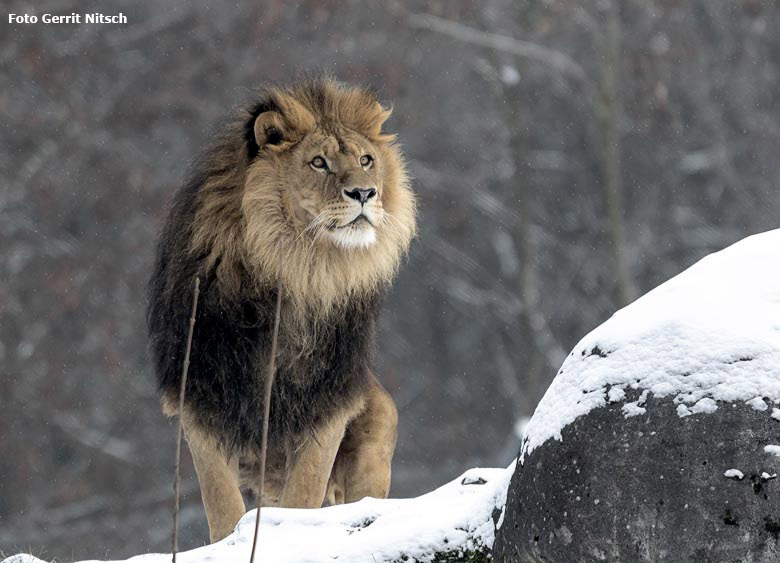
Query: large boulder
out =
(658, 440)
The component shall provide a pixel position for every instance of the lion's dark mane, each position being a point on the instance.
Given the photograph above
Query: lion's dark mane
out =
(232, 339)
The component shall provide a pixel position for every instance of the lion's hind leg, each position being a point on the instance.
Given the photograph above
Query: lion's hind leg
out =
(363, 463)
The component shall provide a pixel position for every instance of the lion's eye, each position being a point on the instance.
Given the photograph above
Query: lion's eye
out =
(319, 163)
(366, 160)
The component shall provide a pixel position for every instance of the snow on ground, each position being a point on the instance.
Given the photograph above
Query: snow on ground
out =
(707, 336)
(734, 474)
(456, 516)
(772, 449)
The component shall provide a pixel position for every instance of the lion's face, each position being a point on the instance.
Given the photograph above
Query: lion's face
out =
(338, 180)
(313, 184)
(335, 188)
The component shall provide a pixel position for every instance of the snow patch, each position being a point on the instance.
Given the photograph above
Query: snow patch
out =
(705, 405)
(616, 394)
(758, 404)
(709, 335)
(633, 409)
(734, 474)
(772, 449)
(451, 518)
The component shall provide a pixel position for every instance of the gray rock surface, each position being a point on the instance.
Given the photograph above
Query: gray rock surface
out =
(648, 488)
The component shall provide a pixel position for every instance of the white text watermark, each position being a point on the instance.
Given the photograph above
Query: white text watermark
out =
(72, 18)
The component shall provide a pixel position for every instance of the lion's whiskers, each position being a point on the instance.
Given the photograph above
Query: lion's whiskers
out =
(323, 229)
(314, 222)
(314, 225)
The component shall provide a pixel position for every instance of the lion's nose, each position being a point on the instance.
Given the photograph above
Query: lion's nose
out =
(360, 194)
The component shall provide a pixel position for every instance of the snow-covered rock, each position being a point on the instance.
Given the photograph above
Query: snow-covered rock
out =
(626, 455)
(455, 522)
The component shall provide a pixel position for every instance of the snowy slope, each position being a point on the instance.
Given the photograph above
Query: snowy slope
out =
(707, 336)
(455, 517)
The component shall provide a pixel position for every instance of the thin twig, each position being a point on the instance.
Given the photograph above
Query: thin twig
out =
(269, 381)
(185, 368)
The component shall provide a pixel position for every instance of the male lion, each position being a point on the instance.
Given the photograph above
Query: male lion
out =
(305, 174)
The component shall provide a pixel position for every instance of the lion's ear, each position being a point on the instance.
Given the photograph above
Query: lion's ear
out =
(269, 129)
(380, 115)
(284, 123)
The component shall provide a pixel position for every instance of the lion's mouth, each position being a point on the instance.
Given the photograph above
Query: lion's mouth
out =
(359, 220)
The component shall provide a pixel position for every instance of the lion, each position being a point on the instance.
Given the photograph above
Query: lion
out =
(305, 186)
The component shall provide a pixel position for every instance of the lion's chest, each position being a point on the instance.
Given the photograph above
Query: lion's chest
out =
(314, 351)
(322, 366)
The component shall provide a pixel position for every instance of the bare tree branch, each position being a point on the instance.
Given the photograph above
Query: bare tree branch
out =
(182, 387)
(116, 448)
(552, 58)
(269, 382)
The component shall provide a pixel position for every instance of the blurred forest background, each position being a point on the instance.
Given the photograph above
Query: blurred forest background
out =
(569, 156)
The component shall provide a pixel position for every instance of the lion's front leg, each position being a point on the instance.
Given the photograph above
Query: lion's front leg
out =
(311, 465)
(219, 486)
(363, 464)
